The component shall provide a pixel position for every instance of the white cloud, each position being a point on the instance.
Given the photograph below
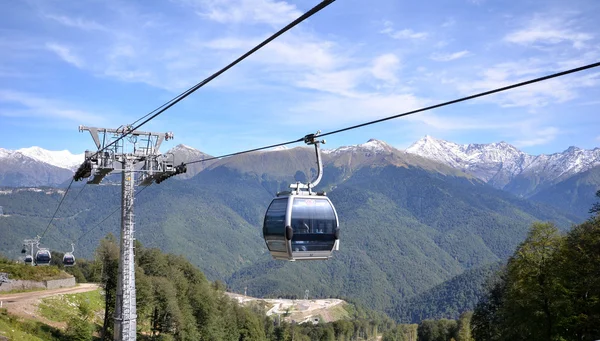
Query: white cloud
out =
(350, 81)
(65, 54)
(537, 136)
(446, 57)
(232, 43)
(385, 67)
(34, 106)
(305, 51)
(443, 123)
(333, 110)
(547, 30)
(338, 82)
(556, 90)
(401, 34)
(246, 11)
(76, 22)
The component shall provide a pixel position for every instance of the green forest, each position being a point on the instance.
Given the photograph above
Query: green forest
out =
(175, 301)
(548, 290)
(421, 246)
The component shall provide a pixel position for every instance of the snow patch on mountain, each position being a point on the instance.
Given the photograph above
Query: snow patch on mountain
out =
(4, 153)
(373, 145)
(278, 148)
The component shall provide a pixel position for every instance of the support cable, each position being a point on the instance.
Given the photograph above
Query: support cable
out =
(439, 105)
(153, 114)
(106, 218)
(482, 94)
(78, 193)
(57, 208)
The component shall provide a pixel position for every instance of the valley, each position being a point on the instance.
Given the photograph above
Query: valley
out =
(409, 224)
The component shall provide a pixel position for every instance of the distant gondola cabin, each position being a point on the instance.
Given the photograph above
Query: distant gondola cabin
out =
(68, 259)
(42, 257)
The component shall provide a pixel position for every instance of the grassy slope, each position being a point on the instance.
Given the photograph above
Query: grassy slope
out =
(32, 273)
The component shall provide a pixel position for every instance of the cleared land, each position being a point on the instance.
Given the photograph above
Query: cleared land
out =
(299, 311)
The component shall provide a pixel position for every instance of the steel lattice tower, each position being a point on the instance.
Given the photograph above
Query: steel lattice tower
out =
(125, 310)
(156, 168)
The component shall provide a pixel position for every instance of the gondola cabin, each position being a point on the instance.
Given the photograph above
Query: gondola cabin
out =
(28, 259)
(68, 259)
(301, 227)
(42, 257)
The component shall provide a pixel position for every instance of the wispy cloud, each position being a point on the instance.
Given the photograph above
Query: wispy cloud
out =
(401, 34)
(333, 110)
(77, 22)
(28, 105)
(385, 67)
(342, 83)
(446, 57)
(557, 90)
(538, 136)
(246, 11)
(548, 30)
(65, 54)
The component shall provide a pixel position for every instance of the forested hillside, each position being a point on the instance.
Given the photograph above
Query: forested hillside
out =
(573, 195)
(408, 224)
(175, 301)
(447, 300)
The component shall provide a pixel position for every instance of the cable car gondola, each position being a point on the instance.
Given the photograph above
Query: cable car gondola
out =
(28, 259)
(42, 257)
(69, 258)
(302, 224)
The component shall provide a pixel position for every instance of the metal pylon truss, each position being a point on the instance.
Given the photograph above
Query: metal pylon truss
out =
(138, 153)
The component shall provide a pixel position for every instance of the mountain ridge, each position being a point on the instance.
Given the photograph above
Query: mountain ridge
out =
(506, 167)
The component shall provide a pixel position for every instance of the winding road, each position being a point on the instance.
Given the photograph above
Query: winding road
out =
(25, 303)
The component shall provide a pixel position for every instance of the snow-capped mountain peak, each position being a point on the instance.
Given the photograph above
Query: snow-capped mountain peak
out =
(62, 159)
(183, 147)
(499, 163)
(375, 145)
(4, 153)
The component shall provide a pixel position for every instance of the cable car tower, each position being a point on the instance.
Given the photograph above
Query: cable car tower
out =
(126, 156)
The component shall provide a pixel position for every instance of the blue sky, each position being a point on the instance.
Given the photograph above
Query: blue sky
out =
(107, 63)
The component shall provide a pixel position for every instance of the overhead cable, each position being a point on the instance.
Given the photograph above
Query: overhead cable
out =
(153, 114)
(57, 208)
(110, 215)
(439, 105)
(481, 94)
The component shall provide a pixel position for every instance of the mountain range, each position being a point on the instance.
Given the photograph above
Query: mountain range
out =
(410, 223)
(500, 165)
(504, 166)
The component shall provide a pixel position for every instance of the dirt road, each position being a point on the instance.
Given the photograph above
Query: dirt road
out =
(25, 304)
(9, 299)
